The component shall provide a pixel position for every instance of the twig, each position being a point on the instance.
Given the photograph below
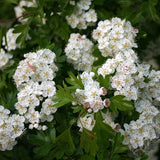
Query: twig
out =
(83, 112)
(13, 19)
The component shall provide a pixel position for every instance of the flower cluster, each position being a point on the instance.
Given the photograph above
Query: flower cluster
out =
(90, 96)
(11, 127)
(114, 36)
(34, 80)
(88, 121)
(19, 9)
(79, 52)
(81, 18)
(124, 67)
(147, 128)
(5, 59)
(11, 40)
(129, 78)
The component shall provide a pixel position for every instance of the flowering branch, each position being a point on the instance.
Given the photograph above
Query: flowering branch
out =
(13, 19)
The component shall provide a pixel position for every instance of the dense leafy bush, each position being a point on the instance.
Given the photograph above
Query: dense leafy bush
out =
(73, 82)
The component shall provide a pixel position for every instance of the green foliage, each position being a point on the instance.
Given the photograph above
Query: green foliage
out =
(87, 157)
(74, 82)
(63, 96)
(43, 142)
(100, 59)
(88, 142)
(105, 82)
(1, 34)
(63, 144)
(103, 132)
(23, 30)
(63, 141)
(143, 157)
(117, 146)
(118, 102)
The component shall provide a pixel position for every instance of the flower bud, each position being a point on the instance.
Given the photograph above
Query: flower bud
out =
(104, 91)
(107, 102)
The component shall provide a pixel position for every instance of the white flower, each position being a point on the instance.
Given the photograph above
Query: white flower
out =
(19, 9)
(136, 141)
(81, 18)
(118, 33)
(11, 40)
(11, 127)
(91, 16)
(118, 81)
(87, 122)
(79, 52)
(34, 80)
(84, 4)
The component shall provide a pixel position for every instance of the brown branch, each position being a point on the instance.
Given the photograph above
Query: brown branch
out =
(13, 19)
(83, 112)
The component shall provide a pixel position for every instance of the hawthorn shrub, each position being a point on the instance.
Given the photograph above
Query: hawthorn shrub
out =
(79, 80)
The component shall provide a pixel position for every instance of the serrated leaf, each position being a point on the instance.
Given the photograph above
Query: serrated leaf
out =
(142, 157)
(42, 150)
(12, 1)
(118, 147)
(76, 108)
(103, 132)
(51, 46)
(63, 144)
(63, 96)
(136, 18)
(76, 83)
(104, 82)
(19, 28)
(23, 30)
(100, 125)
(88, 142)
(118, 102)
(43, 142)
(125, 3)
(87, 157)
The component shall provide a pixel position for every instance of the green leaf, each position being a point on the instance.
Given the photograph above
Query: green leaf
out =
(100, 3)
(125, 3)
(63, 96)
(23, 30)
(118, 147)
(102, 129)
(63, 144)
(12, 1)
(149, 8)
(77, 108)
(142, 157)
(1, 34)
(87, 157)
(88, 142)
(118, 102)
(40, 138)
(76, 83)
(104, 82)
(103, 132)
(136, 18)
(43, 142)
(42, 150)
(20, 28)
(51, 46)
